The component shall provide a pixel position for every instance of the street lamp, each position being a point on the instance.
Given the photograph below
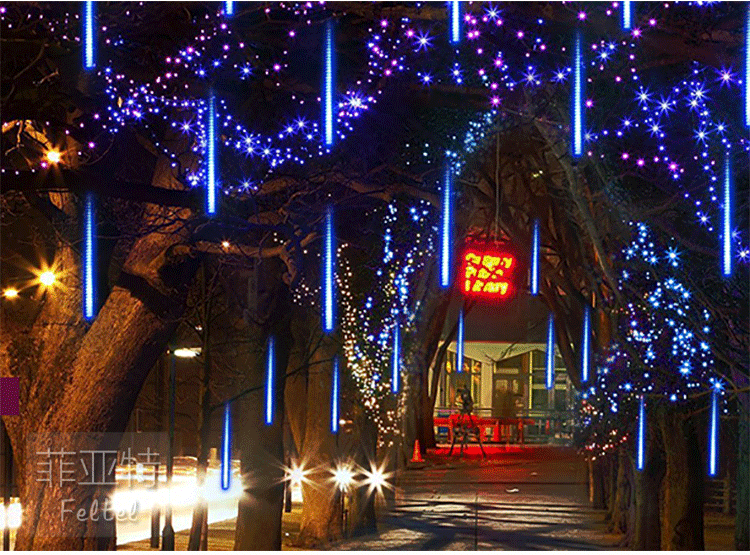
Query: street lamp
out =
(168, 531)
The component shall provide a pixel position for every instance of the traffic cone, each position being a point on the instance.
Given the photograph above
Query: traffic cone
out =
(417, 456)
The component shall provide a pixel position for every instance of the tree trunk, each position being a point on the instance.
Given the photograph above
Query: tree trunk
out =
(80, 377)
(742, 518)
(618, 514)
(596, 482)
(321, 502)
(262, 446)
(362, 504)
(683, 503)
(199, 526)
(647, 532)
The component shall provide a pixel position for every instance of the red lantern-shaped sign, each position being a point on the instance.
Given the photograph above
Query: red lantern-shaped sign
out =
(487, 271)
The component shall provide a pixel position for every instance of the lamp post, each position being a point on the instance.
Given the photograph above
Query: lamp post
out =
(168, 532)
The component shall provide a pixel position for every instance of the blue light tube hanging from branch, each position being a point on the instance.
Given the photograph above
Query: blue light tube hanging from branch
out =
(534, 270)
(226, 450)
(726, 224)
(713, 432)
(89, 258)
(396, 361)
(329, 269)
(446, 228)
(329, 87)
(270, 380)
(550, 358)
(229, 8)
(586, 344)
(460, 342)
(454, 7)
(211, 157)
(641, 439)
(335, 387)
(627, 15)
(89, 35)
(577, 99)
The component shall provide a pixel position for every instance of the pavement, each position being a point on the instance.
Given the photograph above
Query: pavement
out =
(524, 498)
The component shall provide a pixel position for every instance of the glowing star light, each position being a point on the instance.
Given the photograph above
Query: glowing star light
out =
(88, 34)
(627, 15)
(455, 21)
(396, 361)
(641, 446)
(577, 99)
(550, 360)
(446, 229)
(328, 84)
(226, 450)
(89, 260)
(586, 344)
(329, 253)
(270, 378)
(726, 231)
(534, 276)
(211, 158)
(460, 342)
(335, 397)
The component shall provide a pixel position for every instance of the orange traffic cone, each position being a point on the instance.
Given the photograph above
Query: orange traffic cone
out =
(417, 456)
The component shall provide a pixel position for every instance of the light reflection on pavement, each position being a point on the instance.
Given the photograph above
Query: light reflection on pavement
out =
(522, 499)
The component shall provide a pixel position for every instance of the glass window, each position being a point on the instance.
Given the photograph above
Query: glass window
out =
(539, 399)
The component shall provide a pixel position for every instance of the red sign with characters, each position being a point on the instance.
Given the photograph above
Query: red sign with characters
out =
(487, 271)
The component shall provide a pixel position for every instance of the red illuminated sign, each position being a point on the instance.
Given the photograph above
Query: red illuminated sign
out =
(487, 272)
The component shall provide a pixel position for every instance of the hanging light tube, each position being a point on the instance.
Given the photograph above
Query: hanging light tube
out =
(460, 342)
(396, 361)
(335, 397)
(627, 15)
(455, 21)
(726, 234)
(713, 433)
(89, 258)
(641, 445)
(586, 344)
(746, 83)
(328, 85)
(88, 35)
(329, 254)
(446, 231)
(550, 359)
(577, 99)
(534, 277)
(226, 450)
(229, 8)
(270, 380)
(211, 158)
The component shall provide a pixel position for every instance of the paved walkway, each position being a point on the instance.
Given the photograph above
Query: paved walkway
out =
(522, 498)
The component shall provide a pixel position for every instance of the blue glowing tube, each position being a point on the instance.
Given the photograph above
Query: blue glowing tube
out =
(446, 229)
(329, 262)
(641, 446)
(226, 450)
(89, 258)
(335, 397)
(550, 360)
(586, 344)
(270, 380)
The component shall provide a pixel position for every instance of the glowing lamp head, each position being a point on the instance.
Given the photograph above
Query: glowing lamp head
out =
(53, 156)
(47, 278)
(343, 476)
(10, 293)
(187, 352)
(296, 474)
(377, 479)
